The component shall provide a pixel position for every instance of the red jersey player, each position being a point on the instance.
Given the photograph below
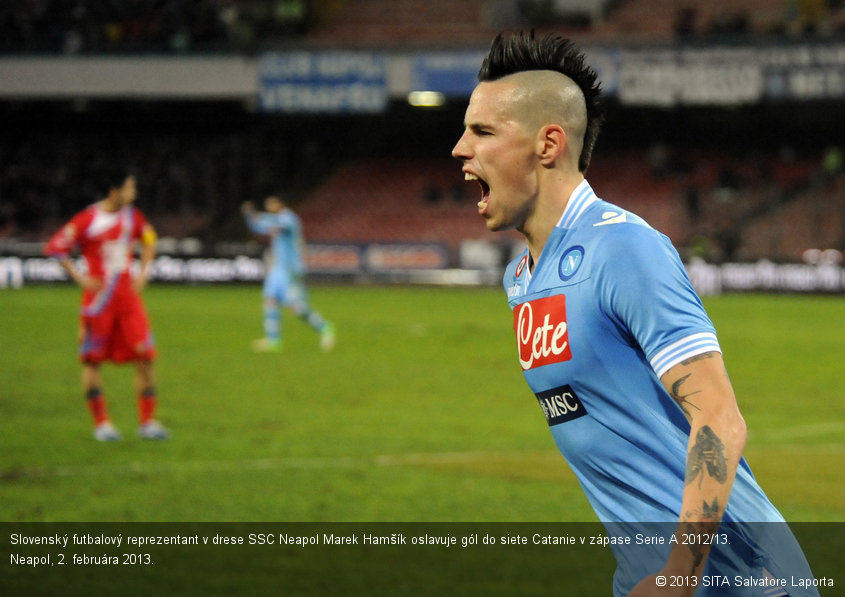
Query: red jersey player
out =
(114, 325)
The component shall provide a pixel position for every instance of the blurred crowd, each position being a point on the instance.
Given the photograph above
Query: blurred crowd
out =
(125, 26)
(192, 181)
(793, 19)
(179, 26)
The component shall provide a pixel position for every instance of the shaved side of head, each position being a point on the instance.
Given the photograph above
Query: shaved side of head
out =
(572, 100)
(543, 97)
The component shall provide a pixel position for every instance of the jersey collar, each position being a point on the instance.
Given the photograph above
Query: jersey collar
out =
(578, 201)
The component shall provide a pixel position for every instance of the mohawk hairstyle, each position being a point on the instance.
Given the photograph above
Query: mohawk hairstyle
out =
(522, 52)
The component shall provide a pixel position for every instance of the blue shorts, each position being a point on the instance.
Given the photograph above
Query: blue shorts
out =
(284, 289)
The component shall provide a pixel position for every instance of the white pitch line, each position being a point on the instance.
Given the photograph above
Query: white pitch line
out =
(348, 462)
(771, 434)
(314, 463)
(449, 458)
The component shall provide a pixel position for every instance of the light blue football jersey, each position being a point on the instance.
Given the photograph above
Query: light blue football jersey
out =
(286, 261)
(606, 311)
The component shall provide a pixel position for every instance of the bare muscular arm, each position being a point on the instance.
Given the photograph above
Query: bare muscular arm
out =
(700, 386)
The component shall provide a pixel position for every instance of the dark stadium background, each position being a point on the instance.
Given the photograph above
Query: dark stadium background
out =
(726, 182)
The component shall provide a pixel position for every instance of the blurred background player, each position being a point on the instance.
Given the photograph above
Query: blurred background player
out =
(114, 323)
(283, 284)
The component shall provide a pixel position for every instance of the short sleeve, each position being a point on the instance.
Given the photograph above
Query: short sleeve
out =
(62, 243)
(645, 291)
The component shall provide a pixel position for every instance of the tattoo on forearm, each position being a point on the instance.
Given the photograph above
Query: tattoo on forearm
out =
(711, 511)
(708, 453)
(705, 521)
(698, 553)
(683, 399)
(699, 549)
(696, 547)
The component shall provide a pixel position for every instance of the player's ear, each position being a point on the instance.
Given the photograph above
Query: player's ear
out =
(551, 143)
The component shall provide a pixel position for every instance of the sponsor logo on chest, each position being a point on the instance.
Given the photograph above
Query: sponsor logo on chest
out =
(560, 405)
(542, 336)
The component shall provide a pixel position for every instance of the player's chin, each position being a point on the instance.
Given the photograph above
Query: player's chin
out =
(495, 224)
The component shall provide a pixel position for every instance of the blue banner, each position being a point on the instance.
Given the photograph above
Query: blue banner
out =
(453, 74)
(322, 82)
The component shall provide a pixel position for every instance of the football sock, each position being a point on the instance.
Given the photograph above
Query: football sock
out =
(146, 405)
(97, 405)
(271, 323)
(314, 319)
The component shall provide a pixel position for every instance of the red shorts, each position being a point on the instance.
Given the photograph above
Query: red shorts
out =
(119, 331)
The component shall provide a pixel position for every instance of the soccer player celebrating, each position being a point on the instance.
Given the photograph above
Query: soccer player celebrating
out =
(283, 284)
(114, 325)
(612, 338)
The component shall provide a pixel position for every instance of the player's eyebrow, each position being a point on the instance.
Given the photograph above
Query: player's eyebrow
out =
(477, 127)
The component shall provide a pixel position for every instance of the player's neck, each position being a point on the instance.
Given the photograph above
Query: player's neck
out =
(109, 204)
(535, 249)
(548, 212)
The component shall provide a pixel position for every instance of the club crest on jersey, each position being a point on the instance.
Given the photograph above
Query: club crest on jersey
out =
(520, 266)
(570, 262)
(560, 405)
(542, 335)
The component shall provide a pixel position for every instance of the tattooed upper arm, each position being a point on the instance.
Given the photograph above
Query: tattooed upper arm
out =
(681, 397)
(681, 388)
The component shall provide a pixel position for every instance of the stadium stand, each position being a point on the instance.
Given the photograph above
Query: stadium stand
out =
(94, 26)
(379, 22)
(758, 205)
(664, 20)
(180, 26)
(767, 203)
(383, 199)
(386, 199)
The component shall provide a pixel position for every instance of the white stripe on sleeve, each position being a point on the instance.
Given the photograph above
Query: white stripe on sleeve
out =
(684, 349)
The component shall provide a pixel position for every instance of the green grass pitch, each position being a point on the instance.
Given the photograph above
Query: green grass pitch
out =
(419, 414)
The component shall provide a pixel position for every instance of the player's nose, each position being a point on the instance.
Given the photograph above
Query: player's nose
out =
(461, 150)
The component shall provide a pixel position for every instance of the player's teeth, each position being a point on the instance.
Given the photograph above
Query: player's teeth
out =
(468, 176)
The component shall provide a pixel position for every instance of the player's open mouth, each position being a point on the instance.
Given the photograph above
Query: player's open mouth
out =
(485, 191)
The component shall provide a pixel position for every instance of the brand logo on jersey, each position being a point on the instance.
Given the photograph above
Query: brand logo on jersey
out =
(611, 217)
(521, 266)
(542, 335)
(560, 405)
(570, 262)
